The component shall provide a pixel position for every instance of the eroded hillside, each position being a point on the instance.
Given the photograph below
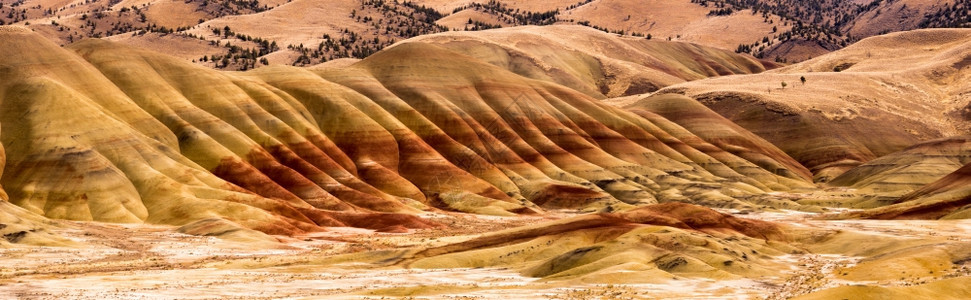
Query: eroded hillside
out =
(903, 88)
(508, 163)
(883, 117)
(102, 131)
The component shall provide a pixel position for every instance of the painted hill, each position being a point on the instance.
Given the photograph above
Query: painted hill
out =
(105, 132)
(701, 122)
(905, 171)
(946, 198)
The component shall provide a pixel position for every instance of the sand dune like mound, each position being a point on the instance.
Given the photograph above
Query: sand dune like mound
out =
(593, 62)
(109, 133)
(903, 87)
(20, 227)
(646, 245)
(657, 243)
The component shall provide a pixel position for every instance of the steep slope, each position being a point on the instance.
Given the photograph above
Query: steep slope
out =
(891, 16)
(593, 62)
(876, 87)
(721, 133)
(18, 226)
(116, 134)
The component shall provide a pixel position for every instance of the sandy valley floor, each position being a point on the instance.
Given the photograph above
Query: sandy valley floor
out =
(143, 261)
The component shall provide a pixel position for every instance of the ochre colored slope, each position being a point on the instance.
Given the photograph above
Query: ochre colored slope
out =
(593, 62)
(110, 133)
(903, 88)
(539, 125)
(719, 136)
(81, 148)
(18, 226)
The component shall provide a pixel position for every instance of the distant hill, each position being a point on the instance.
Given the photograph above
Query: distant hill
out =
(904, 88)
(599, 64)
(242, 35)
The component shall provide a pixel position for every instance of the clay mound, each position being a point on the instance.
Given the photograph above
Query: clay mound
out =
(499, 104)
(954, 181)
(593, 62)
(20, 227)
(946, 198)
(719, 137)
(110, 133)
(227, 230)
(82, 148)
(905, 171)
(687, 216)
(894, 86)
(645, 245)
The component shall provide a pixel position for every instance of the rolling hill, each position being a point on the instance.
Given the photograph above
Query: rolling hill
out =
(242, 35)
(106, 132)
(510, 124)
(599, 64)
(872, 88)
